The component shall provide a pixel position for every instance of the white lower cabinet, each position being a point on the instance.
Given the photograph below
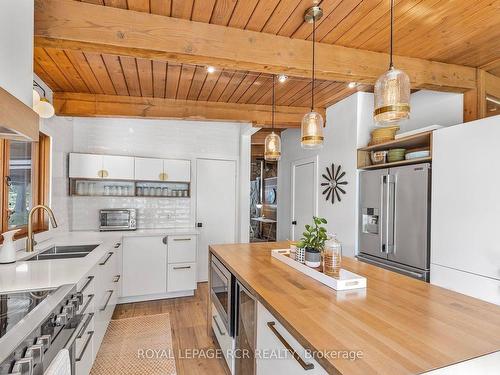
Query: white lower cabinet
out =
(272, 354)
(144, 266)
(99, 291)
(181, 276)
(158, 267)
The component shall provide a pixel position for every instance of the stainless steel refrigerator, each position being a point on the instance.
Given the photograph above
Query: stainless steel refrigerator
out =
(394, 221)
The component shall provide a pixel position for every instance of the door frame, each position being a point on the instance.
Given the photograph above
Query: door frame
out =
(295, 164)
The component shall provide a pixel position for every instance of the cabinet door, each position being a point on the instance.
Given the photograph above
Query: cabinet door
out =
(177, 170)
(147, 169)
(269, 340)
(84, 165)
(181, 249)
(181, 277)
(118, 167)
(144, 266)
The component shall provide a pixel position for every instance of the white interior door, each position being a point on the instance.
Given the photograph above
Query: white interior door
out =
(215, 207)
(304, 195)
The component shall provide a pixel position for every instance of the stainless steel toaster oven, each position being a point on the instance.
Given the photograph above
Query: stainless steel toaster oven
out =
(118, 219)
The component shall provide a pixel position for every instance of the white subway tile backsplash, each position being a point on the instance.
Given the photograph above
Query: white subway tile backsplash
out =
(152, 213)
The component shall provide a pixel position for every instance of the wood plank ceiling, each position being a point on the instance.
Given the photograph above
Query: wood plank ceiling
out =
(75, 71)
(451, 31)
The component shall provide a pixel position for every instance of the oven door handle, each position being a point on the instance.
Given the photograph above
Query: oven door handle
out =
(76, 332)
(85, 346)
(87, 322)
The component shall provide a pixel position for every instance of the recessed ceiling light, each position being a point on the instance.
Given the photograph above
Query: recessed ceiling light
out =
(352, 85)
(282, 78)
(210, 69)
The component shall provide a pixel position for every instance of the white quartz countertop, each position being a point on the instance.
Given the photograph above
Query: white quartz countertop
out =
(43, 274)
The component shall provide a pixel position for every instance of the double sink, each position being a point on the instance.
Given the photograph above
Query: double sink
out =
(64, 252)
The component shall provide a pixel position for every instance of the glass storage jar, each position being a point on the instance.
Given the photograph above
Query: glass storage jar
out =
(332, 256)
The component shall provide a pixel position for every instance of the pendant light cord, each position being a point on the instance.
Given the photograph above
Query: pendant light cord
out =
(272, 124)
(314, 40)
(392, 32)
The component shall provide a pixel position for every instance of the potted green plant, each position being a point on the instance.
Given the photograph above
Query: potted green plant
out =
(313, 242)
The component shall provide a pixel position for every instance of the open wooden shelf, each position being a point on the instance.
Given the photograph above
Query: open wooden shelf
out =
(397, 163)
(414, 141)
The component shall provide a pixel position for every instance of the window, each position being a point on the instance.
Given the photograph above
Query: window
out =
(25, 182)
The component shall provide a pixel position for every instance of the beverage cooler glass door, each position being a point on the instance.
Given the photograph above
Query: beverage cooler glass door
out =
(246, 326)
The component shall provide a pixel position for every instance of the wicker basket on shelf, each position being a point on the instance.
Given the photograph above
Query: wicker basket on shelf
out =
(381, 135)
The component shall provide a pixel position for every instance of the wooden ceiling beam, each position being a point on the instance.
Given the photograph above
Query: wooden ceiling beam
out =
(101, 105)
(86, 27)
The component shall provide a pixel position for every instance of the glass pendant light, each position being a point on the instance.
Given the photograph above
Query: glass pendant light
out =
(392, 92)
(312, 123)
(272, 143)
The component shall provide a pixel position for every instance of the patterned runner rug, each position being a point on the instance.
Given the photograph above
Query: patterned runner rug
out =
(138, 345)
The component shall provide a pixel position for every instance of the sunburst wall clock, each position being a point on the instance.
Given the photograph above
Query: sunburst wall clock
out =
(334, 183)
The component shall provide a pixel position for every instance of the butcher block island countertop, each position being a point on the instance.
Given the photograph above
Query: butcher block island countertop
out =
(402, 325)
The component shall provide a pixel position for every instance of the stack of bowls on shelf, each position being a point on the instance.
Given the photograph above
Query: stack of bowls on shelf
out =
(417, 153)
(396, 154)
(382, 135)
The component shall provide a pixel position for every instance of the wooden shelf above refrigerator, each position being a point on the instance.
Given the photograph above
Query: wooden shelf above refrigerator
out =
(421, 140)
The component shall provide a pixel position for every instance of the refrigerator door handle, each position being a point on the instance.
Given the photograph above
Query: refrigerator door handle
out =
(382, 214)
(391, 207)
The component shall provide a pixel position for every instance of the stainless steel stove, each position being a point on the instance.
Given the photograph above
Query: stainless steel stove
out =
(35, 326)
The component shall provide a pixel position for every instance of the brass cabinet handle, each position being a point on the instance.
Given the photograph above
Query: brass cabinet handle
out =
(305, 366)
(105, 173)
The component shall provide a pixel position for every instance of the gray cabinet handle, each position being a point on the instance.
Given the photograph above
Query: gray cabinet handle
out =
(182, 239)
(218, 326)
(110, 254)
(164, 240)
(117, 245)
(107, 300)
(117, 278)
(84, 308)
(87, 283)
(87, 322)
(305, 366)
(182, 268)
(85, 346)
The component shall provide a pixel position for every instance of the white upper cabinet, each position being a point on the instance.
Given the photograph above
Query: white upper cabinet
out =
(177, 170)
(148, 169)
(101, 166)
(85, 165)
(113, 167)
(117, 167)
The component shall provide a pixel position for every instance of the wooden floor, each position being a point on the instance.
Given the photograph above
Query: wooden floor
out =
(188, 319)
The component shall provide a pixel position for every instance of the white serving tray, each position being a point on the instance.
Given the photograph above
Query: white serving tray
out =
(347, 280)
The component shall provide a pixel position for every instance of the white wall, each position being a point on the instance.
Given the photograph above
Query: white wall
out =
(153, 138)
(16, 48)
(348, 126)
(465, 255)
(339, 147)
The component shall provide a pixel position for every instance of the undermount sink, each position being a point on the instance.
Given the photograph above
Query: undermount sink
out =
(64, 252)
